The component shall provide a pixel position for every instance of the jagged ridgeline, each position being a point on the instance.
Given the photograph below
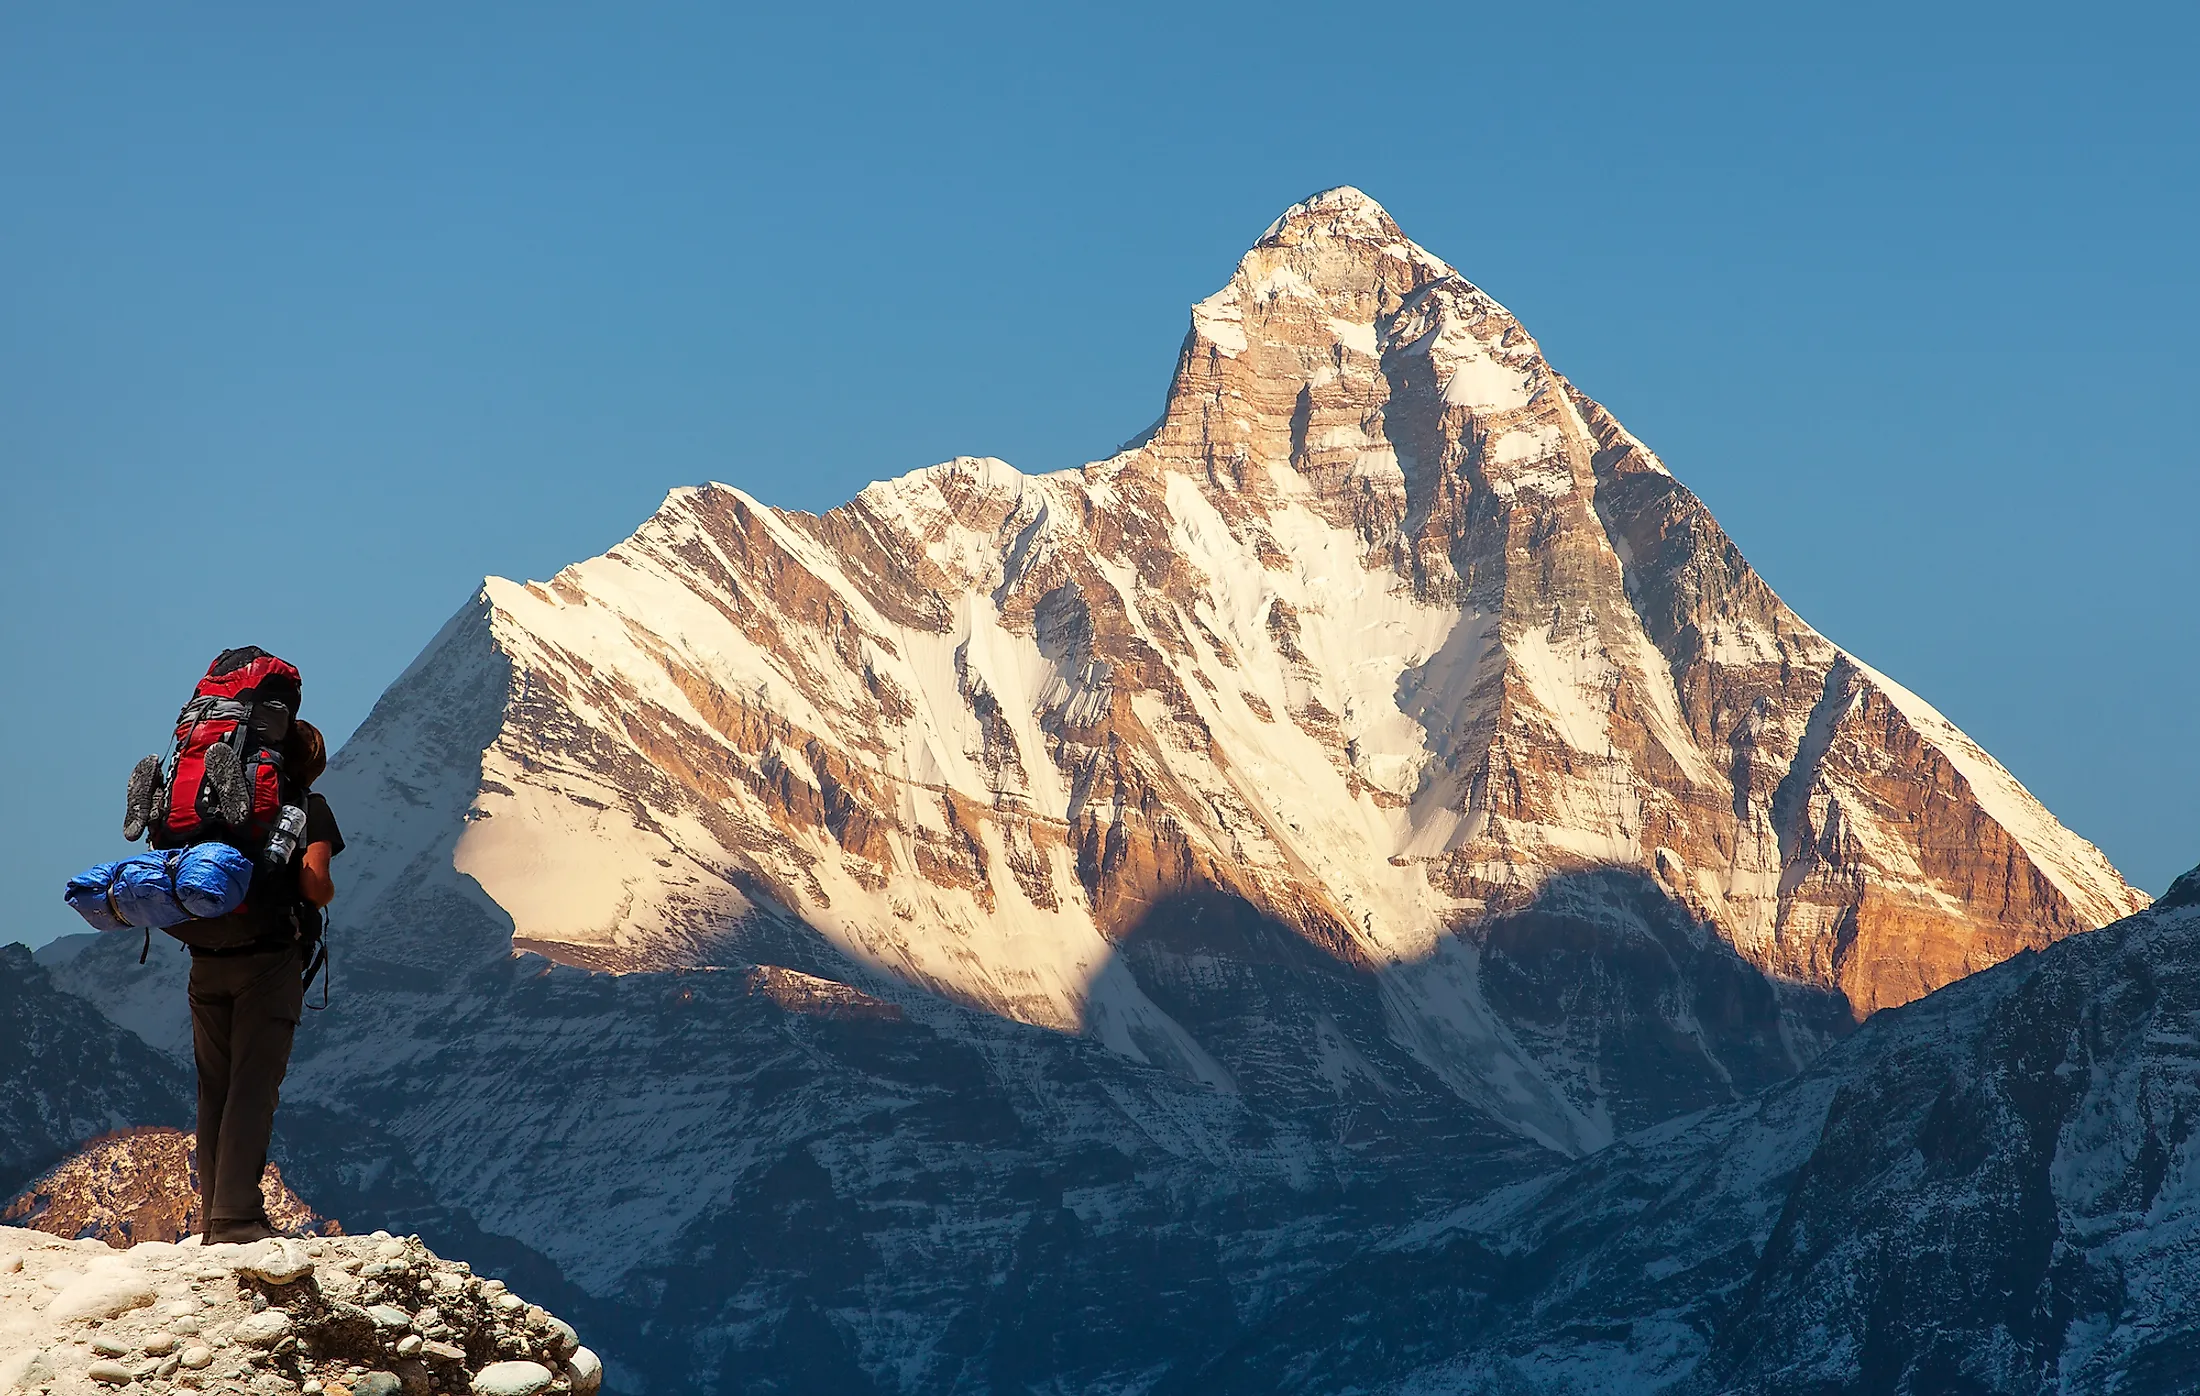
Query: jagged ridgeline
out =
(1055, 918)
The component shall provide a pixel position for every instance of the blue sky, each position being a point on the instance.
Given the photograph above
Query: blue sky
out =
(310, 319)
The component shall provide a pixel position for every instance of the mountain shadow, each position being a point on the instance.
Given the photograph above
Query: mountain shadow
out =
(1624, 1008)
(774, 1179)
(1986, 1190)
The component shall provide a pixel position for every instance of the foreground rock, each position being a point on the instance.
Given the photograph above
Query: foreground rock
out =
(326, 1316)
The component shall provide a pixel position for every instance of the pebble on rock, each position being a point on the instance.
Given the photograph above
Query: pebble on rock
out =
(263, 1329)
(276, 1261)
(585, 1369)
(408, 1345)
(197, 1358)
(563, 1340)
(512, 1379)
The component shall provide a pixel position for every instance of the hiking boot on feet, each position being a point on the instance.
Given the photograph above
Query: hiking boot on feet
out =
(237, 1233)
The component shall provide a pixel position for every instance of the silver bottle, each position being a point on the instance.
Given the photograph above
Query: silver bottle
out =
(284, 838)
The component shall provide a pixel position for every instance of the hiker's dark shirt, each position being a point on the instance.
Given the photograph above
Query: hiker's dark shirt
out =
(267, 908)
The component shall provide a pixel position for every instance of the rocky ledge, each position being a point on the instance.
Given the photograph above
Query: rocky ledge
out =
(329, 1316)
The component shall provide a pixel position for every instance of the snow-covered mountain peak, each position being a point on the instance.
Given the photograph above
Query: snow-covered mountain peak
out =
(1342, 211)
(1338, 255)
(1385, 631)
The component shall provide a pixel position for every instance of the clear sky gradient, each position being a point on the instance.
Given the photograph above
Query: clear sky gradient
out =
(312, 316)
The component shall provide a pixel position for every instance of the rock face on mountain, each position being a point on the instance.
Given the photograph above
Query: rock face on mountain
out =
(1996, 1189)
(1384, 630)
(1058, 918)
(141, 1184)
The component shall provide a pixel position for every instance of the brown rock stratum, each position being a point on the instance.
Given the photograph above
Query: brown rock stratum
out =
(139, 1185)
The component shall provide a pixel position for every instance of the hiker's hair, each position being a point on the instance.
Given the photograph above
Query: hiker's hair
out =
(305, 755)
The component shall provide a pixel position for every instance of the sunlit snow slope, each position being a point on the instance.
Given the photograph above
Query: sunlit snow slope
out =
(1384, 631)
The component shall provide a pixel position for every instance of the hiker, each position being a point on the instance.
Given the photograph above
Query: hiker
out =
(246, 1000)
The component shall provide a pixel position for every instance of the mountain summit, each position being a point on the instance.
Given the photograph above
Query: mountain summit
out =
(1385, 638)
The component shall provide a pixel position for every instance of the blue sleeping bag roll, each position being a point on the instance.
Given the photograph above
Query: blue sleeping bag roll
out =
(86, 895)
(212, 878)
(161, 889)
(132, 891)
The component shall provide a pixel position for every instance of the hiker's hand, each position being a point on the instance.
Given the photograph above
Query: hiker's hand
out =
(313, 878)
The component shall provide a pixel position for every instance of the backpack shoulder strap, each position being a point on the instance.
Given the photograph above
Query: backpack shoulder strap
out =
(313, 938)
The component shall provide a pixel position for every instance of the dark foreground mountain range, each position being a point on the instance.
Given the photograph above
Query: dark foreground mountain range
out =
(1996, 1189)
(1038, 933)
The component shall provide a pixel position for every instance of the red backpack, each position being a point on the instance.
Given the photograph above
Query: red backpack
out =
(224, 776)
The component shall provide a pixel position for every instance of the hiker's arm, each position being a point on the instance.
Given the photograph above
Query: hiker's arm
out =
(313, 878)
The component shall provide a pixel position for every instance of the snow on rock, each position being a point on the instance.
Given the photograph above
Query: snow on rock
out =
(275, 1316)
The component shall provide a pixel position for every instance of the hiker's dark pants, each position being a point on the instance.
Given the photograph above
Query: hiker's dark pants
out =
(244, 1009)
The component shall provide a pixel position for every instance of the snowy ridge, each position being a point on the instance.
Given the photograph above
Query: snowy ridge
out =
(2080, 871)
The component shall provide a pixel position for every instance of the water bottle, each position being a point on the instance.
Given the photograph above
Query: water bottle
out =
(284, 838)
